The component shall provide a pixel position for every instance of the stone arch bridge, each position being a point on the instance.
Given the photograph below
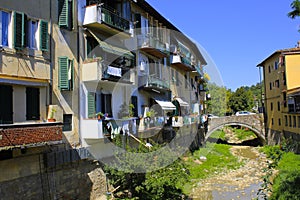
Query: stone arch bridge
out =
(254, 122)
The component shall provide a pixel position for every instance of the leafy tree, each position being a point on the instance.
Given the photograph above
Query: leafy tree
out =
(241, 99)
(217, 104)
(295, 5)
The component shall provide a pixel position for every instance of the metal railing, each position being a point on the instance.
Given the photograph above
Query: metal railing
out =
(113, 19)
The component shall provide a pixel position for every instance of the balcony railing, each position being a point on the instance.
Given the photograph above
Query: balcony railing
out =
(97, 16)
(157, 82)
(182, 62)
(152, 45)
(114, 20)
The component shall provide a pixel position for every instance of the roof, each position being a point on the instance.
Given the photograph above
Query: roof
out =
(295, 50)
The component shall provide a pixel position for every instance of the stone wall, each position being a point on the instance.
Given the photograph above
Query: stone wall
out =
(28, 177)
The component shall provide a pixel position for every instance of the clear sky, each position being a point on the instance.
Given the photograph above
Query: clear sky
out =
(236, 34)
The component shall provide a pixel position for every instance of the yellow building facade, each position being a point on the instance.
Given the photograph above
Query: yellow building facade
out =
(282, 95)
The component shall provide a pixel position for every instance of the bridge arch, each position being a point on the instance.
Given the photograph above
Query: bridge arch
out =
(253, 122)
(220, 126)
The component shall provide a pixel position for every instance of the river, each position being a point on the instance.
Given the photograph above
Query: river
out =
(242, 183)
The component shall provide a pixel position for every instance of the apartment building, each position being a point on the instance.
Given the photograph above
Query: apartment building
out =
(282, 97)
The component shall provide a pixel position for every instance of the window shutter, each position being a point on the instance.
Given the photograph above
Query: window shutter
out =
(63, 73)
(138, 24)
(44, 35)
(19, 30)
(63, 13)
(72, 75)
(91, 105)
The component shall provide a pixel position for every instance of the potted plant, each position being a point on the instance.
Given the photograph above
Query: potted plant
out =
(99, 115)
(51, 116)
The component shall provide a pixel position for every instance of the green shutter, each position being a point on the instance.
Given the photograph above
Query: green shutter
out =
(19, 30)
(73, 77)
(44, 35)
(91, 105)
(63, 63)
(63, 13)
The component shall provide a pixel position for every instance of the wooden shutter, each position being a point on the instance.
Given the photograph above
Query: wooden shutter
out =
(19, 30)
(44, 38)
(63, 82)
(6, 105)
(63, 13)
(91, 105)
(32, 103)
(72, 82)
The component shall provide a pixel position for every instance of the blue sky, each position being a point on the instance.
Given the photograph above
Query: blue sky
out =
(236, 34)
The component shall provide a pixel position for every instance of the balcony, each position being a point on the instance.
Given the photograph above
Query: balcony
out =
(153, 83)
(109, 21)
(95, 70)
(152, 46)
(35, 134)
(182, 63)
(107, 128)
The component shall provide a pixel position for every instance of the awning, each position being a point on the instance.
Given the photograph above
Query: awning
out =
(181, 102)
(112, 49)
(166, 105)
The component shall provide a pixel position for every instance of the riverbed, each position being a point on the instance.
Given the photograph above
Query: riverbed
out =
(242, 183)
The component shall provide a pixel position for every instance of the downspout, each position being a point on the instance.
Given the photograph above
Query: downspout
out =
(50, 52)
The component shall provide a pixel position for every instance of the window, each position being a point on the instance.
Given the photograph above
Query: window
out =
(279, 122)
(272, 121)
(290, 120)
(19, 30)
(32, 103)
(271, 106)
(106, 104)
(32, 34)
(67, 120)
(294, 122)
(286, 120)
(278, 106)
(275, 65)
(4, 23)
(277, 83)
(270, 86)
(44, 38)
(91, 105)
(284, 78)
(284, 100)
(65, 14)
(6, 105)
(298, 121)
(269, 69)
(66, 73)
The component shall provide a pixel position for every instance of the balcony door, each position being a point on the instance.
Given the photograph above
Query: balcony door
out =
(6, 104)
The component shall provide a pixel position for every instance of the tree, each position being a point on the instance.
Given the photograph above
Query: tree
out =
(218, 102)
(241, 99)
(295, 5)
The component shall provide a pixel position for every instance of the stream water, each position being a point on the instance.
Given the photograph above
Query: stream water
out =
(242, 183)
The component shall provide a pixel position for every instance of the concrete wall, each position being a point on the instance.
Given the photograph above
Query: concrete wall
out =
(27, 177)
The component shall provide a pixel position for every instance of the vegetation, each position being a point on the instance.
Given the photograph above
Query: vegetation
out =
(244, 134)
(219, 134)
(156, 182)
(295, 5)
(226, 102)
(219, 158)
(286, 182)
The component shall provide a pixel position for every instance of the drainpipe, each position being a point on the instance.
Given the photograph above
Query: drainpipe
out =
(51, 60)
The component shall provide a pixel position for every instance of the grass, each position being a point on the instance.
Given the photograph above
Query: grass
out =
(219, 134)
(219, 158)
(244, 134)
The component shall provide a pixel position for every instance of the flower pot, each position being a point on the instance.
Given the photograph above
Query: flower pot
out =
(51, 120)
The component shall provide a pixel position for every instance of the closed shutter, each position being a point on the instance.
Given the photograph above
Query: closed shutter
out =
(63, 13)
(44, 38)
(138, 24)
(19, 30)
(6, 106)
(32, 103)
(72, 75)
(91, 105)
(63, 73)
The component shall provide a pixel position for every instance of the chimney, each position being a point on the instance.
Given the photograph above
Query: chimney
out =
(298, 44)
